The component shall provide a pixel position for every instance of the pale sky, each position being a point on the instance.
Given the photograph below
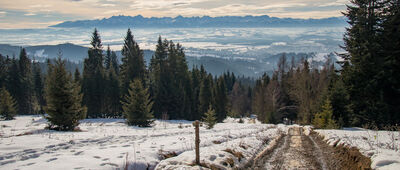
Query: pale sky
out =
(42, 13)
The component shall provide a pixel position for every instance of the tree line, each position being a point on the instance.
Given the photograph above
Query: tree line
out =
(363, 91)
(107, 89)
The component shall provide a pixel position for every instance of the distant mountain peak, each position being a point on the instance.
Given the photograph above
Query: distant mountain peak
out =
(203, 21)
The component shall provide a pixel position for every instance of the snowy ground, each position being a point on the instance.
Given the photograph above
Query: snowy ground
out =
(383, 147)
(109, 143)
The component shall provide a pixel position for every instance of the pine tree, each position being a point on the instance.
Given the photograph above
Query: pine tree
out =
(93, 79)
(221, 99)
(63, 98)
(324, 119)
(210, 117)
(156, 69)
(114, 62)
(137, 105)
(24, 98)
(259, 98)
(364, 61)
(3, 70)
(195, 86)
(77, 76)
(390, 75)
(13, 80)
(339, 97)
(107, 60)
(112, 94)
(133, 64)
(7, 105)
(38, 87)
(205, 94)
(170, 81)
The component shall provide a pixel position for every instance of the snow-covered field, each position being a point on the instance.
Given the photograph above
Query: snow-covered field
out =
(111, 144)
(383, 147)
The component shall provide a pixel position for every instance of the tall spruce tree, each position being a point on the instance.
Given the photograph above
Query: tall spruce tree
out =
(390, 74)
(77, 76)
(38, 87)
(112, 94)
(363, 62)
(137, 105)
(195, 84)
(221, 99)
(259, 98)
(94, 78)
(159, 79)
(13, 80)
(24, 98)
(7, 105)
(133, 64)
(3, 70)
(64, 102)
(179, 83)
(107, 60)
(205, 94)
(114, 62)
(170, 81)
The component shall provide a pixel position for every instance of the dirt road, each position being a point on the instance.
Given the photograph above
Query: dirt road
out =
(297, 150)
(294, 151)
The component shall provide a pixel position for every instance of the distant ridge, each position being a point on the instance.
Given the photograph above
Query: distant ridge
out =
(204, 21)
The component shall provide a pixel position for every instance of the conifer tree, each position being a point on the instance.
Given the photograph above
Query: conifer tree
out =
(205, 94)
(38, 87)
(157, 69)
(77, 76)
(114, 62)
(339, 98)
(24, 98)
(3, 70)
(170, 81)
(324, 119)
(210, 118)
(390, 75)
(94, 78)
(112, 94)
(364, 61)
(133, 64)
(221, 99)
(137, 105)
(13, 80)
(7, 105)
(259, 98)
(64, 108)
(107, 60)
(195, 84)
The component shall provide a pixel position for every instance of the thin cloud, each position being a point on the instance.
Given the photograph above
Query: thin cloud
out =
(30, 14)
(112, 12)
(91, 9)
(108, 5)
(3, 13)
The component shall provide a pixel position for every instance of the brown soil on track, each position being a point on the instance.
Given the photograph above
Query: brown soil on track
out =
(299, 151)
(342, 157)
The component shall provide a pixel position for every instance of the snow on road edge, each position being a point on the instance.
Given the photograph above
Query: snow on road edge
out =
(382, 147)
(219, 155)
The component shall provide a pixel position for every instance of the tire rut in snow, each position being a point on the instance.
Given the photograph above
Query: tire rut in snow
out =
(294, 151)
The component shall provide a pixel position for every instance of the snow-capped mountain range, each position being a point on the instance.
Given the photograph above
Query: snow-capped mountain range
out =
(203, 21)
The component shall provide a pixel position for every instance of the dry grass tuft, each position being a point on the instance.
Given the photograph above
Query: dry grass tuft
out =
(165, 154)
(238, 155)
(216, 142)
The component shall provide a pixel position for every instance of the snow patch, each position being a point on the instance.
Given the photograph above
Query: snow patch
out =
(383, 147)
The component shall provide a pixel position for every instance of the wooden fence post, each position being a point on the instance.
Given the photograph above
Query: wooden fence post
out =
(197, 142)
